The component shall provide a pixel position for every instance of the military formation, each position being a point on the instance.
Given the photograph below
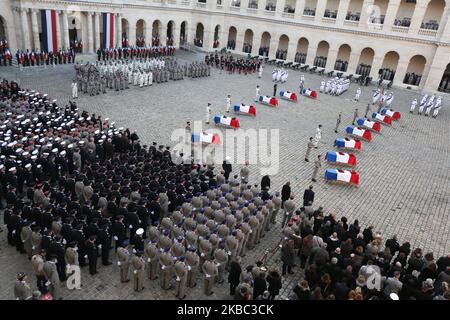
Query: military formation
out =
(231, 64)
(117, 75)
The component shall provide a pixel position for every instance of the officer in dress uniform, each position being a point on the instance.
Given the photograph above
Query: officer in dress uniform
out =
(138, 273)
(193, 265)
(123, 261)
(317, 166)
(338, 123)
(166, 269)
(152, 254)
(210, 272)
(221, 261)
(181, 274)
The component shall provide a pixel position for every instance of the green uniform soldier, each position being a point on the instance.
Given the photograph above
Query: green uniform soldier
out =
(192, 263)
(152, 254)
(123, 261)
(181, 274)
(210, 272)
(138, 273)
(317, 166)
(166, 269)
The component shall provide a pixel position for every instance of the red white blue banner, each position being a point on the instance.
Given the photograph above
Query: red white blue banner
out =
(375, 126)
(341, 157)
(395, 115)
(49, 35)
(271, 101)
(206, 138)
(226, 121)
(381, 118)
(348, 143)
(348, 176)
(108, 30)
(359, 132)
(288, 95)
(242, 108)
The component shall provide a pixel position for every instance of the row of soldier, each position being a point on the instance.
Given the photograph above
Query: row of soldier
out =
(335, 87)
(231, 64)
(134, 52)
(428, 103)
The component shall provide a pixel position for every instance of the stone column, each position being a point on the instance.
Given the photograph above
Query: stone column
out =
(292, 50)
(132, 35)
(256, 43)
(311, 54)
(90, 32)
(175, 34)
(365, 13)
(273, 46)
(97, 31)
(353, 62)
(400, 72)
(299, 7)
(239, 41)
(376, 66)
(433, 75)
(35, 28)
(280, 7)
(148, 32)
(66, 29)
(58, 30)
(391, 14)
(320, 10)
(25, 30)
(342, 12)
(418, 15)
(118, 41)
(244, 5)
(331, 59)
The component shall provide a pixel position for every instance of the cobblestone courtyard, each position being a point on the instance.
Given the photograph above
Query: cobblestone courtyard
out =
(404, 172)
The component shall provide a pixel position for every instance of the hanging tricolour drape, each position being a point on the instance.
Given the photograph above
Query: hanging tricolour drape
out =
(49, 37)
(108, 30)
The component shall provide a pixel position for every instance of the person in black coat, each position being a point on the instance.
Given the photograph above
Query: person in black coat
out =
(227, 168)
(235, 274)
(308, 196)
(56, 248)
(92, 254)
(104, 240)
(285, 193)
(259, 285)
(274, 281)
(265, 183)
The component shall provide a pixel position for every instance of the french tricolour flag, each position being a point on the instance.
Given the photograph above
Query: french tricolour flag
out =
(348, 176)
(381, 118)
(272, 101)
(108, 30)
(309, 93)
(391, 113)
(242, 108)
(206, 138)
(288, 95)
(348, 143)
(365, 134)
(341, 157)
(226, 121)
(375, 126)
(49, 37)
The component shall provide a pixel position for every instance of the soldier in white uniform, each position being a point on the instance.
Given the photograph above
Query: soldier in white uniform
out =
(257, 93)
(228, 103)
(413, 106)
(322, 86)
(358, 94)
(74, 89)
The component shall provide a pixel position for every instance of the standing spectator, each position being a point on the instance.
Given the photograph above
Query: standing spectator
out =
(227, 169)
(285, 193)
(308, 196)
(22, 289)
(259, 285)
(287, 257)
(235, 274)
(274, 281)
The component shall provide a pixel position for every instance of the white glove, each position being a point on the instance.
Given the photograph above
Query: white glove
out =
(119, 263)
(134, 250)
(85, 256)
(64, 241)
(229, 253)
(189, 268)
(174, 258)
(115, 238)
(23, 241)
(163, 267)
(33, 247)
(218, 264)
(178, 278)
(131, 227)
(135, 271)
(202, 254)
(208, 276)
(47, 283)
(14, 232)
(149, 260)
(99, 246)
(67, 266)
